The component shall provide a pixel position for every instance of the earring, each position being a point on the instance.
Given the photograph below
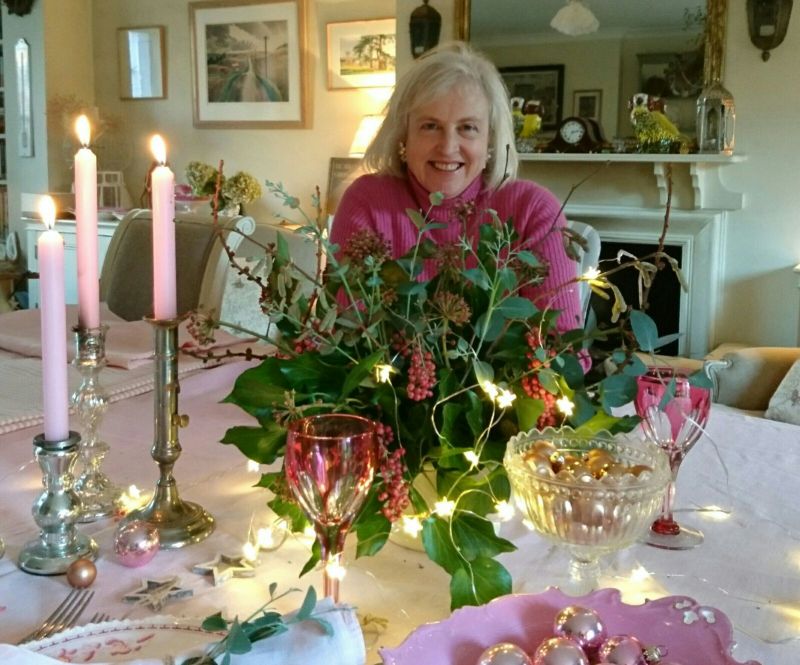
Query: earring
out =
(401, 151)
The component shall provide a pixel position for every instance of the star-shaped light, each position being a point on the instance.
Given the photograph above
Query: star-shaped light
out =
(412, 526)
(565, 405)
(223, 566)
(505, 398)
(444, 507)
(157, 593)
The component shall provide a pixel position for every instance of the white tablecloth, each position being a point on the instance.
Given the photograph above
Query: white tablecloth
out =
(748, 567)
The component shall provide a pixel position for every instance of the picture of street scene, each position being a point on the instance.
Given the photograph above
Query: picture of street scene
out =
(248, 62)
(366, 54)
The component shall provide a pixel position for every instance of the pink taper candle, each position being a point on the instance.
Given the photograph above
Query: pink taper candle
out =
(86, 222)
(162, 187)
(53, 312)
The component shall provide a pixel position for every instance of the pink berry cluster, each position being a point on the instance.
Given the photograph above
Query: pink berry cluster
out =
(533, 387)
(421, 375)
(394, 493)
(308, 339)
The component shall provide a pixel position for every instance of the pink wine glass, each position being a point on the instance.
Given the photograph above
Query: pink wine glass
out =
(330, 461)
(674, 414)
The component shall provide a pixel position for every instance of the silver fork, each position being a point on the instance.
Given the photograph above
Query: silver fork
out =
(64, 616)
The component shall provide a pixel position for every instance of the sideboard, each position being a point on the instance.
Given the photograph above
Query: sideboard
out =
(66, 227)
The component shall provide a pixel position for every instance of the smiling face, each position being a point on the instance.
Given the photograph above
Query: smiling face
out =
(448, 140)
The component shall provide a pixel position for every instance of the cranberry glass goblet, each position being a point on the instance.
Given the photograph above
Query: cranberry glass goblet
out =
(330, 462)
(674, 414)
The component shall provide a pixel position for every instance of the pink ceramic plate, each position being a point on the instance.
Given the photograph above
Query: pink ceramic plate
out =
(692, 633)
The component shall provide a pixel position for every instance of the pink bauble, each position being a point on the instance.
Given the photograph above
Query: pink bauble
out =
(135, 543)
(559, 651)
(504, 653)
(582, 625)
(621, 650)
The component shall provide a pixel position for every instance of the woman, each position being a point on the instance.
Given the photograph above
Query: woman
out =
(449, 129)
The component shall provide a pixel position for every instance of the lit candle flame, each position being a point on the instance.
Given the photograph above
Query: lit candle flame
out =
(47, 210)
(83, 130)
(159, 149)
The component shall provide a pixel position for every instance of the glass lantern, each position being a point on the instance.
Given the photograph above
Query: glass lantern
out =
(716, 116)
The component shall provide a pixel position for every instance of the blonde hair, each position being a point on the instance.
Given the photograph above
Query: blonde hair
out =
(434, 74)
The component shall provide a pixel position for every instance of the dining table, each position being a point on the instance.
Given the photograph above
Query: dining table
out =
(739, 485)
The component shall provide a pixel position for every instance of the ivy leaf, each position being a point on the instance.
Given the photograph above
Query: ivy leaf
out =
(260, 444)
(437, 543)
(645, 331)
(372, 528)
(360, 372)
(484, 372)
(475, 537)
(528, 411)
(291, 512)
(479, 582)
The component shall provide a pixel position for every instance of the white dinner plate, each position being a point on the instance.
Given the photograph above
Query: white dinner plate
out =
(123, 641)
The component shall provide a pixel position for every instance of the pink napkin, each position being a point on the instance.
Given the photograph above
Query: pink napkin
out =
(129, 344)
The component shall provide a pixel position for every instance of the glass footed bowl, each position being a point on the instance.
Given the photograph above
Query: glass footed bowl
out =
(591, 517)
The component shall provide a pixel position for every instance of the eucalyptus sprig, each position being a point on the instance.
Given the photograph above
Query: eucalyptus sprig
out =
(260, 625)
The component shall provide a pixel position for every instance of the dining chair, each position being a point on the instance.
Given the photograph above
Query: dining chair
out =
(588, 259)
(126, 279)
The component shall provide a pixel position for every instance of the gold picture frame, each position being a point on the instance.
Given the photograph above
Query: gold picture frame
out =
(361, 54)
(249, 64)
(342, 172)
(587, 104)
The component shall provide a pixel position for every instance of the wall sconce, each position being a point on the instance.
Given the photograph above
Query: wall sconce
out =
(424, 27)
(767, 21)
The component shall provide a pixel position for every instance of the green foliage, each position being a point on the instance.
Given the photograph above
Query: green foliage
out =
(261, 625)
(495, 357)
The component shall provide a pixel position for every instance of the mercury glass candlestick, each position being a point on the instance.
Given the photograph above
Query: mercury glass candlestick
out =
(178, 522)
(99, 496)
(56, 511)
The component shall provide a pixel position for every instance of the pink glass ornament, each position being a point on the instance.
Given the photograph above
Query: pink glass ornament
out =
(504, 653)
(621, 650)
(559, 651)
(582, 625)
(136, 543)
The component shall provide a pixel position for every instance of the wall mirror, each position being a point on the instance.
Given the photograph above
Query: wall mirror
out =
(666, 46)
(142, 63)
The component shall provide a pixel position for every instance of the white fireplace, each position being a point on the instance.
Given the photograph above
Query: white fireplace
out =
(625, 202)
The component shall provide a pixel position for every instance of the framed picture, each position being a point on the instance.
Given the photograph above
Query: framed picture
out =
(249, 64)
(587, 103)
(544, 83)
(361, 54)
(343, 171)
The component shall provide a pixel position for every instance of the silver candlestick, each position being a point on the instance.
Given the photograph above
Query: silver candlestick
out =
(56, 511)
(100, 497)
(178, 522)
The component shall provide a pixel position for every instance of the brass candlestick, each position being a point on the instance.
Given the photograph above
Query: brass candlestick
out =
(56, 511)
(178, 522)
(100, 497)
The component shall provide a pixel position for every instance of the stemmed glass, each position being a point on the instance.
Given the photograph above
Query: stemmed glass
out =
(330, 461)
(674, 414)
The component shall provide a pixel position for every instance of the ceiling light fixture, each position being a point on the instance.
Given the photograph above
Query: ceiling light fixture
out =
(575, 19)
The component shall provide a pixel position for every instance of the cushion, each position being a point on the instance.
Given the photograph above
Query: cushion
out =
(784, 405)
(747, 378)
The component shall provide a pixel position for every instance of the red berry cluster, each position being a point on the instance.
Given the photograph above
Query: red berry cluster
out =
(533, 387)
(308, 341)
(421, 375)
(394, 493)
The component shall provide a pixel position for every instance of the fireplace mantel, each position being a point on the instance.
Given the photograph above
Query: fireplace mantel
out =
(704, 170)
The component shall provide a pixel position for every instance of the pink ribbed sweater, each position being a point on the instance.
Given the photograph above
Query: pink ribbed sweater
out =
(379, 202)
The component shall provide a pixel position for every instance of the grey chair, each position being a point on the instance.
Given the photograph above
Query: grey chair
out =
(126, 280)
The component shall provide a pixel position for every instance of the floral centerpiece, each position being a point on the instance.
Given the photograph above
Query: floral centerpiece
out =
(448, 368)
(234, 191)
